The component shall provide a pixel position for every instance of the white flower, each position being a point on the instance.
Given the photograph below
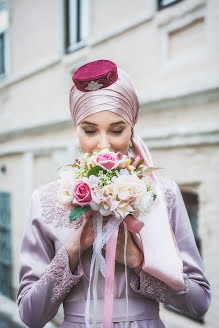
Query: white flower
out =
(123, 209)
(144, 202)
(65, 192)
(104, 211)
(63, 198)
(124, 172)
(128, 186)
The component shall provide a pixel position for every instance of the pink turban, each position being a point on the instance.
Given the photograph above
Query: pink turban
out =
(162, 258)
(119, 98)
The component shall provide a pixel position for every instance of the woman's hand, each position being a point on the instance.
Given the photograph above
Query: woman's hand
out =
(72, 244)
(134, 254)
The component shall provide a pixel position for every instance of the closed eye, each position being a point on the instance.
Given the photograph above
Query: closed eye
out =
(89, 131)
(120, 131)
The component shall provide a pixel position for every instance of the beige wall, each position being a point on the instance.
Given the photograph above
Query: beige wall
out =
(172, 57)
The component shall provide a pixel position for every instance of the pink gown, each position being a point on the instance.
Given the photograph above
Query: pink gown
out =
(45, 279)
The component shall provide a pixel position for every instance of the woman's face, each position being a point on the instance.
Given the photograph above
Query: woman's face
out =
(104, 129)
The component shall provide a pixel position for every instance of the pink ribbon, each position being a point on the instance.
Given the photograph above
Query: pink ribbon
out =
(109, 279)
(134, 225)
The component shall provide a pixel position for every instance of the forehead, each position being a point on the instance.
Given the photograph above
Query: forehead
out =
(104, 117)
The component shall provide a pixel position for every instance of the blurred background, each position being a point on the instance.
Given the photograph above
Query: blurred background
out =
(171, 51)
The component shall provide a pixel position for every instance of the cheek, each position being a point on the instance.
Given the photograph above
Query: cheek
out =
(87, 143)
(121, 143)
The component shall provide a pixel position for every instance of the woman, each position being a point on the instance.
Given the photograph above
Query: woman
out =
(104, 108)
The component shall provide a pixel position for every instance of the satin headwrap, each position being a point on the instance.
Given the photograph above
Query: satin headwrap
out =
(161, 255)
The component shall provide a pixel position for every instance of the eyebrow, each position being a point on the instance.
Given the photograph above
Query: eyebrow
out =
(91, 123)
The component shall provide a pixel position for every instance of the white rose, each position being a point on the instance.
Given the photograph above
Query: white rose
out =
(144, 202)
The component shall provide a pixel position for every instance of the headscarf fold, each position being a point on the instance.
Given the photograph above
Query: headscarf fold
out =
(161, 254)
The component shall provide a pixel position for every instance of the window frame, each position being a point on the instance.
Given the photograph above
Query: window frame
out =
(4, 35)
(77, 40)
(162, 7)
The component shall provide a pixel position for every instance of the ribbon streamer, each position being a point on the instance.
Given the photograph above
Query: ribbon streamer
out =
(107, 235)
(109, 280)
(126, 277)
(96, 271)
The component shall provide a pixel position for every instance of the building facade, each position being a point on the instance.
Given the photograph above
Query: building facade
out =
(171, 51)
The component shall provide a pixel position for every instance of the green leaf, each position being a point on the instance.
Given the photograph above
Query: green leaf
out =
(154, 197)
(139, 163)
(78, 211)
(132, 160)
(95, 170)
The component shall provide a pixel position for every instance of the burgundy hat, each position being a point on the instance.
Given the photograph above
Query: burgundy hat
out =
(95, 75)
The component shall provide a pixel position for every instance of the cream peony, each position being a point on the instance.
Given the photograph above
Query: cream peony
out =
(127, 187)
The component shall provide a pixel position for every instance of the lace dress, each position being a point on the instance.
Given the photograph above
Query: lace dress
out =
(45, 279)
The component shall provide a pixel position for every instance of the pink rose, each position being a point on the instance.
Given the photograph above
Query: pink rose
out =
(82, 194)
(106, 160)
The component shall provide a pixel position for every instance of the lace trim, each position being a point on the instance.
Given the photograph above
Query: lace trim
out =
(58, 272)
(149, 286)
(169, 187)
(52, 211)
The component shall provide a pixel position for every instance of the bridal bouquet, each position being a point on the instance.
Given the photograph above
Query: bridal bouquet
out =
(108, 184)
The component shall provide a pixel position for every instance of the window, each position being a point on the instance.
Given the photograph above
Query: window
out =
(3, 34)
(76, 20)
(166, 3)
(191, 203)
(5, 245)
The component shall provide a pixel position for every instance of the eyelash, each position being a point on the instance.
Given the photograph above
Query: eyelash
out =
(118, 132)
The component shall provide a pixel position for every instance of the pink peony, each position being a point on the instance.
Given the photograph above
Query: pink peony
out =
(82, 194)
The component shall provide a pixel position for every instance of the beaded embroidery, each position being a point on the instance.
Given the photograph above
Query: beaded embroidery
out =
(169, 188)
(149, 286)
(58, 272)
(54, 212)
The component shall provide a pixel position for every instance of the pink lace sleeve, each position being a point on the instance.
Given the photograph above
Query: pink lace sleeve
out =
(59, 273)
(149, 286)
(45, 278)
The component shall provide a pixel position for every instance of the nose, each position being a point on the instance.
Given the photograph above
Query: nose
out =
(103, 142)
